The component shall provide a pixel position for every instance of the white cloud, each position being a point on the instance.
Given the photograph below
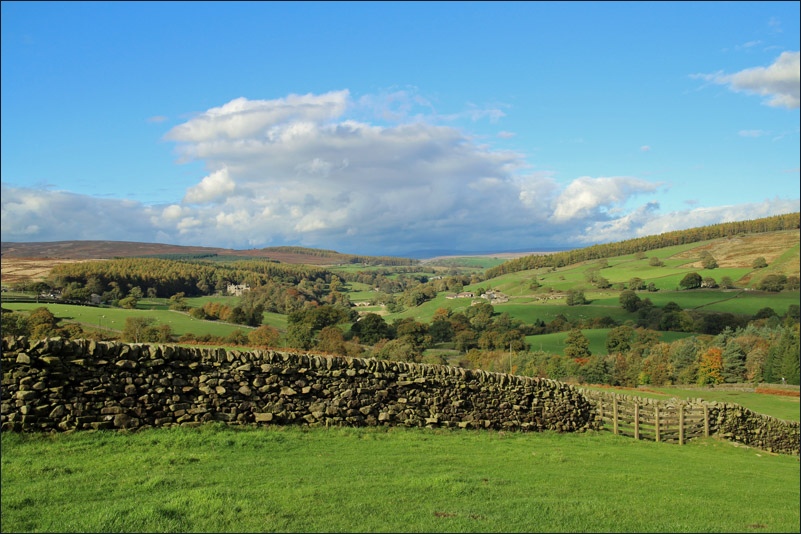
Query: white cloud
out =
(302, 170)
(586, 196)
(645, 148)
(242, 118)
(646, 220)
(213, 187)
(43, 215)
(780, 82)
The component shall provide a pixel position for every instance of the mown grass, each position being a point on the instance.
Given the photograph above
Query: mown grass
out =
(290, 479)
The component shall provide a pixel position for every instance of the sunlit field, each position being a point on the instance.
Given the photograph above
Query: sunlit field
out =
(291, 479)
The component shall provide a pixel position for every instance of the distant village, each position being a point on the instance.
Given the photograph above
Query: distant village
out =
(494, 297)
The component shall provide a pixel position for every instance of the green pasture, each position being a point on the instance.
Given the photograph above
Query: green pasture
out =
(153, 304)
(357, 296)
(427, 269)
(524, 309)
(294, 479)
(467, 262)
(113, 319)
(199, 302)
(736, 301)
(425, 312)
(530, 312)
(355, 287)
(621, 269)
(664, 278)
(607, 303)
(750, 302)
(555, 343)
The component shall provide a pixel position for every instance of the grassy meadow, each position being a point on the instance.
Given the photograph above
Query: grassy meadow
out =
(555, 343)
(293, 479)
(112, 320)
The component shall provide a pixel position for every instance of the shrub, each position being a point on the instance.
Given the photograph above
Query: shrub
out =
(773, 283)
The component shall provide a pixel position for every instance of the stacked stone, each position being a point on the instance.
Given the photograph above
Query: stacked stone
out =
(736, 423)
(65, 385)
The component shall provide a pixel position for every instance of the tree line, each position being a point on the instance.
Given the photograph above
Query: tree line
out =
(775, 223)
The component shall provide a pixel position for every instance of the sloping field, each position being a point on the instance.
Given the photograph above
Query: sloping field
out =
(741, 251)
(21, 269)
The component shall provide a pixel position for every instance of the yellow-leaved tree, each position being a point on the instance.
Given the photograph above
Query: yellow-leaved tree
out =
(710, 367)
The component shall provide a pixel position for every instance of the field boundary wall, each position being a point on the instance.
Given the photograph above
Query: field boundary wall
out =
(67, 385)
(58, 385)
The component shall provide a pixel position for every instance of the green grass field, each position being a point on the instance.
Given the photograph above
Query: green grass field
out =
(555, 343)
(291, 479)
(113, 319)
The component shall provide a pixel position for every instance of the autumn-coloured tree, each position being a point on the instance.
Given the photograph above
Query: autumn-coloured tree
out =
(264, 336)
(656, 368)
(710, 367)
(331, 339)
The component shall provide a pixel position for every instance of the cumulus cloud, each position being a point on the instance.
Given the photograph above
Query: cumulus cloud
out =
(213, 187)
(242, 118)
(647, 220)
(780, 82)
(29, 214)
(586, 196)
(305, 170)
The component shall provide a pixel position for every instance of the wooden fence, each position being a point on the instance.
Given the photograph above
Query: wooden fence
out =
(650, 419)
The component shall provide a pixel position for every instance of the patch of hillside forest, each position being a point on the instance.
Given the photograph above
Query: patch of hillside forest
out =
(718, 347)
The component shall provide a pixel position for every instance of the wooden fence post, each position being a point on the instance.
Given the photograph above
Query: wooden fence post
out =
(614, 415)
(601, 411)
(706, 421)
(636, 421)
(656, 421)
(681, 424)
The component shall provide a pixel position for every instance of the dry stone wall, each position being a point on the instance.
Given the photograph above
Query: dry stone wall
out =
(736, 423)
(65, 385)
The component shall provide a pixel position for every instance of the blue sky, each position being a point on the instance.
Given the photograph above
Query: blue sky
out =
(390, 128)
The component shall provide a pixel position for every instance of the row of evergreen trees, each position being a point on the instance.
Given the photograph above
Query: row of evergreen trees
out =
(790, 221)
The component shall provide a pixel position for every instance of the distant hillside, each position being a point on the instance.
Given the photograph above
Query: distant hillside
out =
(98, 250)
(790, 221)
